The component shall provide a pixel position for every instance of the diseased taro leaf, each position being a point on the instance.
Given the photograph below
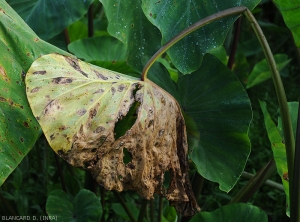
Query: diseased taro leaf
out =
(78, 105)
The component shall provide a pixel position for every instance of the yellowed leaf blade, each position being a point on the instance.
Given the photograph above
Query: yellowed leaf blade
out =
(78, 106)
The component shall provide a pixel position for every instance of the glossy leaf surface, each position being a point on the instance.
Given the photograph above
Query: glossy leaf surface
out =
(49, 18)
(172, 17)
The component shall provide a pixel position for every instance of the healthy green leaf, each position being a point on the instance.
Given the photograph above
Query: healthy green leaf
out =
(49, 18)
(84, 207)
(290, 11)
(173, 17)
(233, 213)
(128, 23)
(119, 210)
(278, 149)
(19, 47)
(78, 105)
(214, 98)
(261, 71)
(106, 52)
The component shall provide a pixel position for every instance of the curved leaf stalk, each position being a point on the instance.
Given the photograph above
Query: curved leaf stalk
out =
(124, 205)
(237, 31)
(143, 210)
(255, 183)
(187, 31)
(282, 101)
(295, 198)
(61, 175)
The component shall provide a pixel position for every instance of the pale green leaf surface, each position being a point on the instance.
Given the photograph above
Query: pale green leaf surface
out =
(19, 47)
(173, 17)
(49, 18)
(261, 71)
(233, 213)
(278, 148)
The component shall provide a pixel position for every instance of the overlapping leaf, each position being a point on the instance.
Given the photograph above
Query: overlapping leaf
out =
(49, 18)
(172, 17)
(128, 23)
(19, 47)
(217, 102)
(79, 105)
(103, 51)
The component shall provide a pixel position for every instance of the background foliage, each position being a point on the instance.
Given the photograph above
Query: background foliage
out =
(141, 28)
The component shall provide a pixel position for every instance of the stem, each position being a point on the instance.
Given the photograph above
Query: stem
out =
(187, 31)
(237, 31)
(67, 37)
(142, 210)
(160, 208)
(270, 183)
(61, 175)
(151, 211)
(283, 106)
(102, 196)
(124, 205)
(197, 185)
(255, 183)
(295, 198)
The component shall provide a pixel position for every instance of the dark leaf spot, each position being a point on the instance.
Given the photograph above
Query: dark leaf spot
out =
(43, 72)
(81, 112)
(62, 80)
(26, 124)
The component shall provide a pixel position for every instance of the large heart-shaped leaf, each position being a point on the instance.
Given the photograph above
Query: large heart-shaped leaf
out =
(84, 207)
(78, 106)
(233, 212)
(173, 17)
(19, 47)
(49, 18)
(217, 102)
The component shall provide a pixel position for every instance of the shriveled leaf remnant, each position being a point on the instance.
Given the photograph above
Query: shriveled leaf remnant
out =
(78, 106)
